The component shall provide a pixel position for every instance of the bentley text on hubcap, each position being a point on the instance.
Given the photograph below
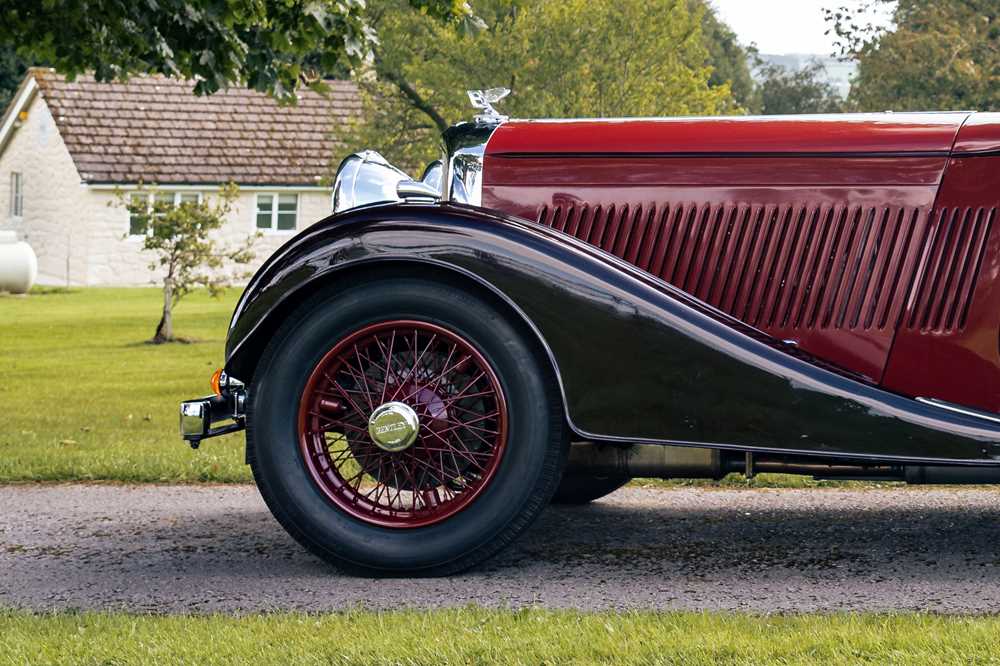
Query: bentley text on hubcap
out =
(393, 426)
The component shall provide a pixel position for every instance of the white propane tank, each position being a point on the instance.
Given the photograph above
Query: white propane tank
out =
(18, 264)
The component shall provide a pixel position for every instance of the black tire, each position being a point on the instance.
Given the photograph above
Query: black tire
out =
(525, 479)
(584, 487)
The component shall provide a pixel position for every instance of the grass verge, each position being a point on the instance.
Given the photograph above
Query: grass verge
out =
(472, 636)
(85, 398)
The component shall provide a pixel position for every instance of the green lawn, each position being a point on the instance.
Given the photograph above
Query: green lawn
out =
(474, 636)
(84, 398)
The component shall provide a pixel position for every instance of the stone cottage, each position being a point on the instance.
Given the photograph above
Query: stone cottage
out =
(67, 148)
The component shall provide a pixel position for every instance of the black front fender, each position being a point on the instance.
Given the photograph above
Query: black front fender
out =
(636, 359)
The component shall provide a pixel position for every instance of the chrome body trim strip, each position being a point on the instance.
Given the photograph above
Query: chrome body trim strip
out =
(960, 409)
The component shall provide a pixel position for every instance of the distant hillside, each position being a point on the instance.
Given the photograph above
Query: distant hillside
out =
(838, 72)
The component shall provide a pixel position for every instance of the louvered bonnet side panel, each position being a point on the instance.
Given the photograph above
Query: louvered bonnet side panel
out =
(828, 268)
(781, 268)
(824, 275)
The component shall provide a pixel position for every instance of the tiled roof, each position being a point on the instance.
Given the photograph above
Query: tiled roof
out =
(156, 130)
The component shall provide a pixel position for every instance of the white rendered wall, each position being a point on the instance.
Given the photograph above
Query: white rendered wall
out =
(53, 222)
(117, 259)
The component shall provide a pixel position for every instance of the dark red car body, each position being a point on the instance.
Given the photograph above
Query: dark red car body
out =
(868, 240)
(674, 298)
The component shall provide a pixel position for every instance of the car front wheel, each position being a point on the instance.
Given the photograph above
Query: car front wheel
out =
(404, 426)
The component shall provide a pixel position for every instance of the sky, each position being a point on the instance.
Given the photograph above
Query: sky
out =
(782, 26)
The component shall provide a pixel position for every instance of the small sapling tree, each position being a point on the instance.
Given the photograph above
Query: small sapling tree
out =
(187, 253)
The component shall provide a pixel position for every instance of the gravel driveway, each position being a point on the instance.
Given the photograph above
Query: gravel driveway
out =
(216, 548)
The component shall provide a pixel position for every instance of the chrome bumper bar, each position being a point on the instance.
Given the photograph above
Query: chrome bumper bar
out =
(199, 416)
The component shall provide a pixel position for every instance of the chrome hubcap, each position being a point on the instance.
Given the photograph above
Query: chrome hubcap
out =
(393, 426)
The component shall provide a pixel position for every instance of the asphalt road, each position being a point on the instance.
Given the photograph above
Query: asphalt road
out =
(216, 548)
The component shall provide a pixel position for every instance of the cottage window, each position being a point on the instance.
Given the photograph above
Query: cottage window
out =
(277, 212)
(136, 222)
(16, 194)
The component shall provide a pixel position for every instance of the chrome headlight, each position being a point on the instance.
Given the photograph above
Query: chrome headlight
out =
(365, 178)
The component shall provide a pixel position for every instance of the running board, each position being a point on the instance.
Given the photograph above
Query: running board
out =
(685, 462)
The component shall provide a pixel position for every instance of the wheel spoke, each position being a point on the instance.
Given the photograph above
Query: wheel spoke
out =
(376, 367)
(388, 364)
(436, 449)
(436, 381)
(474, 412)
(460, 394)
(457, 423)
(344, 393)
(452, 450)
(330, 425)
(416, 363)
(427, 467)
(359, 379)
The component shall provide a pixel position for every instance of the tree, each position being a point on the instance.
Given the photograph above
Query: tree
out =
(12, 70)
(729, 60)
(785, 91)
(572, 58)
(940, 55)
(272, 46)
(187, 253)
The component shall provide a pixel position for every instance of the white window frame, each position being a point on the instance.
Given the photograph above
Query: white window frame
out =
(273, 229)
(150, 199)
(16, 195)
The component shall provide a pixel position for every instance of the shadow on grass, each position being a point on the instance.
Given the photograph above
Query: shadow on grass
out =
(175, 341)
(51, 291)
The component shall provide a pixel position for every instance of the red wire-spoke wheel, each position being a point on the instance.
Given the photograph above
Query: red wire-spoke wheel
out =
(390, 445)
(402, 424)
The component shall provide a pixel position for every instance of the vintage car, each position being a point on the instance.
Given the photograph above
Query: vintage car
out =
(559, 306)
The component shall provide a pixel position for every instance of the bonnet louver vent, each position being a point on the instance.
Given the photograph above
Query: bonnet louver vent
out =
(779, 268)
(949, 267)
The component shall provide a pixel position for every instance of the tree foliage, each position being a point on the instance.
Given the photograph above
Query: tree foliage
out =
(12, 70)
(730, 61)
(268, 45)
(940, 55)
(572, 58)
(188, 254)
(784, 91)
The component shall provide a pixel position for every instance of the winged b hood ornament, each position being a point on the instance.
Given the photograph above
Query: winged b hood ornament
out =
(484, 100)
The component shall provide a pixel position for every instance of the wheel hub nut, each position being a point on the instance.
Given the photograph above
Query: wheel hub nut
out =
(393, 426)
